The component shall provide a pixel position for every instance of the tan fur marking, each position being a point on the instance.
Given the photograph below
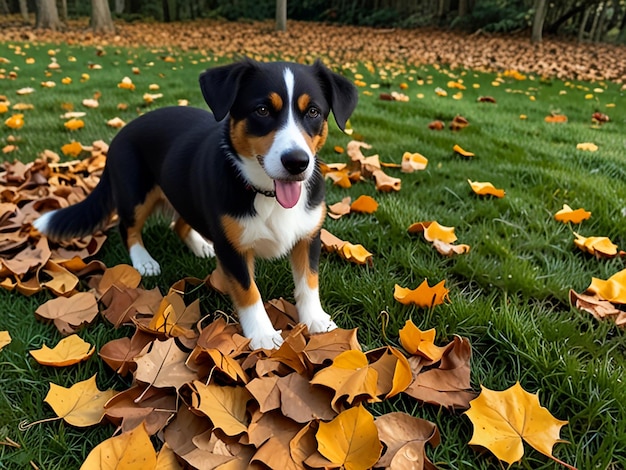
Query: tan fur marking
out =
(303, 102)
(181, 228)
(241, 297)
(300, 263)
(233, 231)
(316, 142)
(142, 212)
(276, 100)
(247, 145)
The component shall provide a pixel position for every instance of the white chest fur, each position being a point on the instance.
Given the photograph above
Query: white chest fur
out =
(275, 230)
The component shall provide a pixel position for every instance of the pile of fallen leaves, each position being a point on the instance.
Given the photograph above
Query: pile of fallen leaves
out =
(305, 41)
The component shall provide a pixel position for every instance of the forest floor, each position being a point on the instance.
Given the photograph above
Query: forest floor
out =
(338, 45)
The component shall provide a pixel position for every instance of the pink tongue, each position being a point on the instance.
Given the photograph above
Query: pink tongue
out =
(287, 192)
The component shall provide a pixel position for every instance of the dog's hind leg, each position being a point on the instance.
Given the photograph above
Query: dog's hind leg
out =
(304, 265)
(198, 245)
(131, 224)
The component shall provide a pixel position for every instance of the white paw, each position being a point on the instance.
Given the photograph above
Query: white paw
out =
(143, 262)
(321, 325)
(198, 245)
(267, 341)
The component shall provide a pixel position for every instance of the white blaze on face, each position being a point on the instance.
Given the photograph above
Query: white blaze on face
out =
(288, 137)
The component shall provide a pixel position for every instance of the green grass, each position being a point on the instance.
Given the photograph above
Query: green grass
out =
(509, 295)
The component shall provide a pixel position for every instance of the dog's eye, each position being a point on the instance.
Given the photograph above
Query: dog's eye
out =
(262, 110)
(313, 112)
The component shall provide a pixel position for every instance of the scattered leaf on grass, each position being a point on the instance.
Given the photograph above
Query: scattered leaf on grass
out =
(413, 162)
(80, 405)
(5, 339)
(418, 342)
(129, 450)
(423, 295)
(485, 189)
(69, 313)
(597, 307)
(503, 420)
(364, 204)
(68, 351)
(464, 153)
(613, 289)
(350, 440)
(600, 247)
(556, 118)
(348, 251)
(567, 214)
(587, 146)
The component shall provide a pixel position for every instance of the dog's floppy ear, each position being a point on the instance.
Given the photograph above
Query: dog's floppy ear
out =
(341, 93)
(220, 85)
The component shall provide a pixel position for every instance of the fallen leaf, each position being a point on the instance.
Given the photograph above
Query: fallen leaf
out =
(601, 247)
(386, 183)
(459, 123)
(15, 122)
(503, 420)
(70, 313)
(613, 289)
(405, 438)
(119, 354)
(364, 204)
(567, 214)
(435, 231)
(130, 450)
(74, 124)
(301, 402)
(437, 125)
(80, 405)
(587, 146)
(5, 339)
(464, 153)
(72, 149)
(68, 351)
(121, 275)
(350, 440)
(413, 162)
(225, 406)
(418, 342)
(423, 295)
(485, 189)
(162, 364)
(339, 209)
(394, 371)
(448, 249)
(556, 118)
(597, 307)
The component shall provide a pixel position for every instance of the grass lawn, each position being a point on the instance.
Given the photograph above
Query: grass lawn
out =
(508, 295)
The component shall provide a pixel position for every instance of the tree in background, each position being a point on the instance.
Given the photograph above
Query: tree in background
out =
(101, 20)
(47, 16)
(538, 20)
(281, 15)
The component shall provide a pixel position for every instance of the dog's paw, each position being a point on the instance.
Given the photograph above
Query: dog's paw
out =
(143, 262)
(199, 246)
(321, 325)
(267, 341)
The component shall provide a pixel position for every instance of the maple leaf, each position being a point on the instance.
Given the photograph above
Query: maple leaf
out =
(174, 318)
(405, 438)
(225, 406)
(129, 450)
(423, 295)
(485, 189)
(325, 347)
(119, 354)
(5, 339)
(80, 405)
(68, 351)
(567, 214)
(162, 364)
(503, 420)
(350, 376)
(350, 440)
(418, 342)
(69, 313)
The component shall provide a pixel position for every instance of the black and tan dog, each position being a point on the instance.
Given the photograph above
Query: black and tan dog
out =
(244, 181)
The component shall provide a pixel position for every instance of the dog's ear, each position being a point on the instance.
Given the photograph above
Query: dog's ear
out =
(341, 93)
(220, 85)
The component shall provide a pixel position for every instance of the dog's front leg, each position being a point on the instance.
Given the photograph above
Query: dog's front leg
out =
(304, 264)
(236, 274)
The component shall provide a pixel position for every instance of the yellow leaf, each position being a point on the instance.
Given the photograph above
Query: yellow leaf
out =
(350, 440)
(485, 189)
(394, 371)
(5, 339)
(126, 84)
(80, 405)
(350, 376)
(588, 146)
(602, 247)
(413, 162)
(225, 406)
(613, 289)
(74, 124)
(356, 253)
(421, 343)
(423, 295)
(68, 351)
(435, 231)
(72, 149)
(116, 122)
(503, 419)
(128, 451)
(365, 204)
(15, 122)
(458, 149)
(567, 214)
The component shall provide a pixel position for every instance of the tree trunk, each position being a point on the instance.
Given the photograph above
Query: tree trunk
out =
(463, 8)
(24, 10)
(554, 27)
(596, 18)
(583, 24)
(63, 11)
(281, 15)
(101, 20)
(4, 8)
(119, 7)
(538, 20)
(47, 15)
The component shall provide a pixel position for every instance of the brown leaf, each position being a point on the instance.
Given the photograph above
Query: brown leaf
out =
(162, 364)
(323, 348)
(303, 403)
(121, 275)
(70, 313)
(119, 354)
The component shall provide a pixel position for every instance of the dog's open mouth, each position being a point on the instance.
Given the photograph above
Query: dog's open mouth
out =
(287, 192)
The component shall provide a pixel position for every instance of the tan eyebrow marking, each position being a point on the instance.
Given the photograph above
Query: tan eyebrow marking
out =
(276, 101)
(303, 102)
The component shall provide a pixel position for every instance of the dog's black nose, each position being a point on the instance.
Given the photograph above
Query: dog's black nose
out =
(295, 161)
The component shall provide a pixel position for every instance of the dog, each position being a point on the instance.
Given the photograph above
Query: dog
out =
(244, 181)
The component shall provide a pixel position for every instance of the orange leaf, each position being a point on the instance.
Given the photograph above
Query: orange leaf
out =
(356, 253)
(601, 247)
(435, 231)
(413, 162)
(73, 149)
(567, 214)
(350, 440)
(418, 342)
(365, 204)
(502, 420)
(613, 289)
(485, 189)
(385, 182)
(423, 295)
(15, 122)
(225, 406)
(68, 351)
(339, 209)
(556, 118)
(74, 124)
(5, 339)
(129, 450)
(457, 148)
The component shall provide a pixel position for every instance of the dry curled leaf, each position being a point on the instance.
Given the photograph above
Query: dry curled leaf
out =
(485, 189)
(464, 153)
(600, 247)
(418, 342)
(68, 314)
(613, 289)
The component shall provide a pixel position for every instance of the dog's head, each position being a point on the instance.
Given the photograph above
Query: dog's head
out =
(278, 115)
